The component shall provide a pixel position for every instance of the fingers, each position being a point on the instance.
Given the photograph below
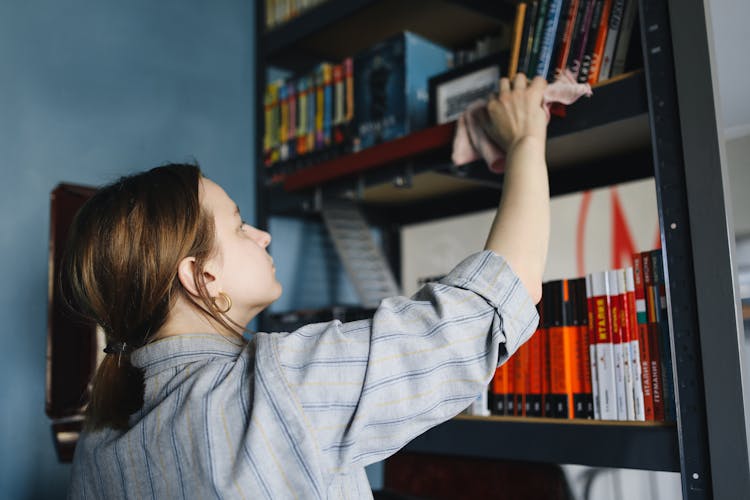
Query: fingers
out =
(519, 81)
(538, 84)
(504, 85)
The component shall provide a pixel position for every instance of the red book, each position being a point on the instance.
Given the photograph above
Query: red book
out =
(601, 38)
(592, 348)
(652, 336)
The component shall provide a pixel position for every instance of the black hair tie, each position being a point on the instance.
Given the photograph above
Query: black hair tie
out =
(117, 348)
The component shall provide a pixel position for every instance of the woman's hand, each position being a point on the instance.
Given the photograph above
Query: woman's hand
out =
(517, 112)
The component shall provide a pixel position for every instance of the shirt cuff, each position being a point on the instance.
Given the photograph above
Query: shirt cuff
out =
(491, 277)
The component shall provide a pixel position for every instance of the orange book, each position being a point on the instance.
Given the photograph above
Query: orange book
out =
(601, 39)
(521, 379)
(563, 352)
(534, 373)
(515, 49)
(499, 390)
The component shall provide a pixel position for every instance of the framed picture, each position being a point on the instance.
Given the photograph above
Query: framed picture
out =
(451, 92)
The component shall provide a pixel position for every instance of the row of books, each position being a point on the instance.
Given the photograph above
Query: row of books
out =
(308, 114)
(590, 38)
(281, 11)
(601, 351)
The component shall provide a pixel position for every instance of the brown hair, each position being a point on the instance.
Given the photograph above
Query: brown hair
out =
(120, 271)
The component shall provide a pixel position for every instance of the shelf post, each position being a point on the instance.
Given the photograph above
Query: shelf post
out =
(698, 249)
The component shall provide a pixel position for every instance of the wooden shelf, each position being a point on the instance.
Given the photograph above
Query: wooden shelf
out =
(604, 139)
(337, 29)
(630, 445)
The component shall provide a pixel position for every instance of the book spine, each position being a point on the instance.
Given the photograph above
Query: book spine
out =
(520, 382)
(540, 22)
(580, 36)
(328, 104)
(534, 375)
(626, 356)
(319, 106)
(662, 322)
(499, 390)
(557, 46)
(605, 356)
(284, 122)
(510, 401)
(544, 350)
(588, 51)
(527, 37)
(515, 49)
(634, 347)
(623, 39)
(613, 30)
(592, 347)
(615, 308)
(573, 23)
(583, 405)
(642, 325)
(652, 331)
(548, 37)
(292, 131)
(349, 76)
(599, 42)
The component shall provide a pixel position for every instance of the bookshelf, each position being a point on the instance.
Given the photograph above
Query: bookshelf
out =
(659, 122)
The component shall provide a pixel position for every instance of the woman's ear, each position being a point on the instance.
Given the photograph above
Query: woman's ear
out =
(186, 275)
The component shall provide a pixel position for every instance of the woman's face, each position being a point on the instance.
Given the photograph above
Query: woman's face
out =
(241, 266)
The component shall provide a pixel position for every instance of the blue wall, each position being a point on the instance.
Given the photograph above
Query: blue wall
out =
(90, 91)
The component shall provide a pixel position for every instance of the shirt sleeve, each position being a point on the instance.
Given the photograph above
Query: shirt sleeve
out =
(366, 388)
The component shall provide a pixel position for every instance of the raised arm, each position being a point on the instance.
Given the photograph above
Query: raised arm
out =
(520, 231)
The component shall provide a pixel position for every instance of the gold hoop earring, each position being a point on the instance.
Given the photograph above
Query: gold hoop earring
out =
(226, 298)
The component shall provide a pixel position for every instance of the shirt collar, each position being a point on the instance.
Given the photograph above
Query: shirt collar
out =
(185, 348)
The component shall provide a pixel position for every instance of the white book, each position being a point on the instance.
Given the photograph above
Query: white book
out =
(592, 354)
(625, 345)
(605, 356)
(635, 349)
(615, 310)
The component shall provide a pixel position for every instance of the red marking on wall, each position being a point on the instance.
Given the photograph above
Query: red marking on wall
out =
(583, 213)
(622, 240)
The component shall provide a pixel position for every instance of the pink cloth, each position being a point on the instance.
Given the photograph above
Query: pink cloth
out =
(472, 141)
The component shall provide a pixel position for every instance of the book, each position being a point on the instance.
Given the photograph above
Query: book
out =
(564, 361)
(520, 372)
(652, 332)
(592, 347)
(539, 25)
(605, 357)
(615, 310)
(515, 50)
(588, 51)
(613, 31)
(534, 407)
(582, 396)
(549, 35)
(501, 388)
(625, 344)
(623, 38)
(642, 329)
(634, 344)
(562, 37)
(599, 42)
(527, 38)
(662, 323)
(580, 36)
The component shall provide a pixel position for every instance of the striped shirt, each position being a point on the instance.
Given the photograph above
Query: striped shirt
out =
(300, 414)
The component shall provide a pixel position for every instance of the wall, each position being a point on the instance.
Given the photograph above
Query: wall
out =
(90, 91)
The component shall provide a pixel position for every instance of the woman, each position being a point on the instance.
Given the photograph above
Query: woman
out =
(184, 407)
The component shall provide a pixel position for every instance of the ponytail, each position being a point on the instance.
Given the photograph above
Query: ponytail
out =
(116, 393)
(120, 272)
